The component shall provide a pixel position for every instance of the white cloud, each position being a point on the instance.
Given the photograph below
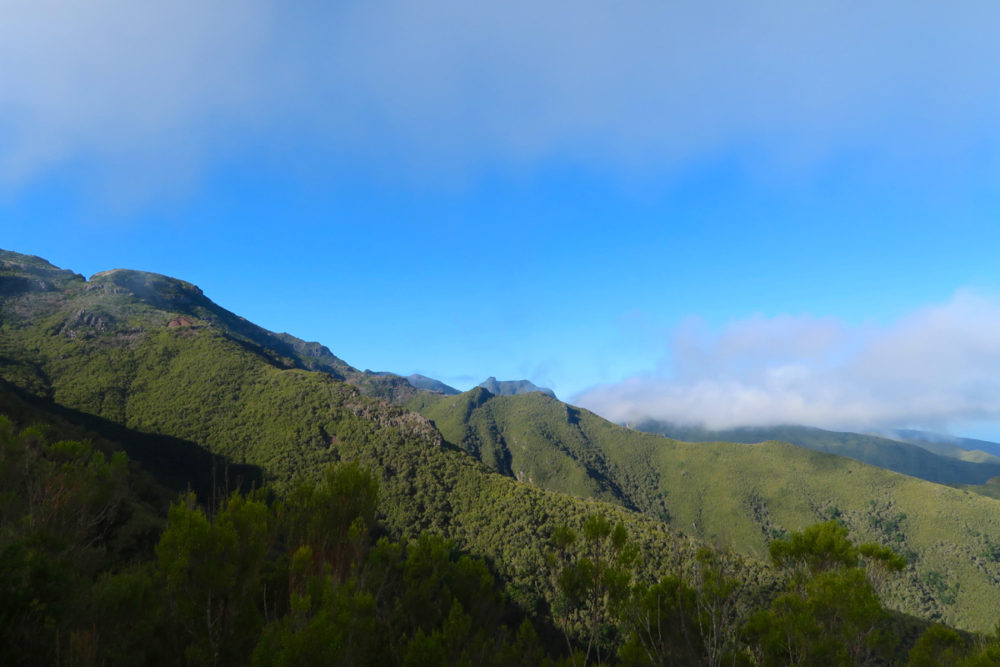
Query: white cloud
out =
(123, 86)
(444, 85)
(939, 365)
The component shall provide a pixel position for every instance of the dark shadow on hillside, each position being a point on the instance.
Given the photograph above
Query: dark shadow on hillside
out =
(175, 463)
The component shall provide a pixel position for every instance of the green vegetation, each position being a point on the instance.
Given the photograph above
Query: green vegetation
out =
(829, 613)
(149, 365)
(298, 581)
(205, 386)
(69, 514)
(934, 462)
(592, 581)
(309, 578)
(741, 497)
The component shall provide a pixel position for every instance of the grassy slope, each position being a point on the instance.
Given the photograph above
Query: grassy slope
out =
(739, 496)
(991, 488)
(943, 466)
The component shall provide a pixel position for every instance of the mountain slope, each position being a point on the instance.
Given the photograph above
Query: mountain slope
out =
(129, 303)
(430, 384)
(740, 496)
(902, 457)
(161, 362)
(966, 449)
(164, 364)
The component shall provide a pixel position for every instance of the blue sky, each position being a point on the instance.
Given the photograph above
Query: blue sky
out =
(719, 212)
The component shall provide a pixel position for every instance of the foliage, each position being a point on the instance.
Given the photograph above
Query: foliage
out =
(742, 497)
(592, 573)
(932, 462)
(829, 614)
(939, 646)
(157, 360)
(253, 580)
(307, 579)
(666, 625)
(211, 572)
(67, 511)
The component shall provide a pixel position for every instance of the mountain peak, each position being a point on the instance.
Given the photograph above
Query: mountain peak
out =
(423, 382)
(27, 273)
(157, 290)
(512, 387)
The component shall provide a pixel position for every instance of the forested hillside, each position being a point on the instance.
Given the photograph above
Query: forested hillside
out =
(742, 496)
(538, 492)
(95, 570)
(101, 348)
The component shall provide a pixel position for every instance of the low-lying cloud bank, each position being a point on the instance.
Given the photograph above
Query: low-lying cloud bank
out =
(937, 366)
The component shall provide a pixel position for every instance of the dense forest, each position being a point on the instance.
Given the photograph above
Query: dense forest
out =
(181, 486)
(95, 572)
(742, 497)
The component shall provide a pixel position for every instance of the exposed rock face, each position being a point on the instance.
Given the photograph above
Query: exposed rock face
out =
(87, 321)
(182, 321)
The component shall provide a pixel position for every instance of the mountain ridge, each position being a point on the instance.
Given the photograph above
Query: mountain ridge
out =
(201, 383)
(966, 449)
(513, 387)
(735, 495)
(495, 473)
(902, 456)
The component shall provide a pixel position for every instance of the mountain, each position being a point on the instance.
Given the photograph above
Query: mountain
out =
(430, 384)
(892, 454)
(154, 360)
(416, 381)
(512, 387)
(122, 301)
(965, 449)
(741, 496)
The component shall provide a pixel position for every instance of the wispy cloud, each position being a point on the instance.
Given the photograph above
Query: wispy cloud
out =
(134, 91)
(129, 90)
(937, 366)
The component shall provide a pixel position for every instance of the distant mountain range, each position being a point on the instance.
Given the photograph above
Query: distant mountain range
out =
(491, 384)
(917, 456)
(430, 384)
(966, 449)
(150, 362)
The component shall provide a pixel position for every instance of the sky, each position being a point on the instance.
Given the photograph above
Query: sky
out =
(723, 213)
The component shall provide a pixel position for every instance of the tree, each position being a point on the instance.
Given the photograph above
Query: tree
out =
(331, 618)
(987, 653)
(211, 572)
(829, 614)
(938, 646)
(718, 612)
(60, 503)
(665, 625)
(333, 517)
(678, 622)
(593, 580)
